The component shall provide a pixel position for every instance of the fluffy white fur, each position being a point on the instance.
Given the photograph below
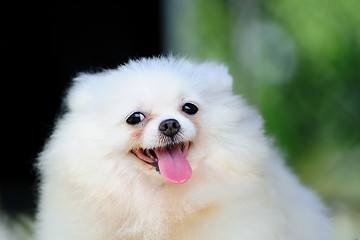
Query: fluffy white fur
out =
(93, 187)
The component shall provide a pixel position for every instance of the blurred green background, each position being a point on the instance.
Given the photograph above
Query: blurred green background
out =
(299, 63)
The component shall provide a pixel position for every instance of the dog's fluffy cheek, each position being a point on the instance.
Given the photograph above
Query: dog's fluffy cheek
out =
(189, 130)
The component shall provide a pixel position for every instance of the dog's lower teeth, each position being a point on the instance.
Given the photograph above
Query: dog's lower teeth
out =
(150, 153)
(147, 153)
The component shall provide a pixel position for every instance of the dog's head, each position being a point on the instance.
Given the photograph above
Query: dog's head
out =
(155, 116)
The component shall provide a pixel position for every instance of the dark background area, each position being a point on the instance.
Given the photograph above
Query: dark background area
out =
(42, 48)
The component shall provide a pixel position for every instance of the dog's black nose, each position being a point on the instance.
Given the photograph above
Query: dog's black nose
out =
(169, 127)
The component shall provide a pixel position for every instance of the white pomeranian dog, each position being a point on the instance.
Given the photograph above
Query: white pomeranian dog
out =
(160, 148)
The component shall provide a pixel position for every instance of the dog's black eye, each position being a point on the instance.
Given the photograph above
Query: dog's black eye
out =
(190, 108)
(135, 118)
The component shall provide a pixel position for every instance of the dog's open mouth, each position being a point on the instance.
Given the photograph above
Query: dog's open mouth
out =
(169, 161)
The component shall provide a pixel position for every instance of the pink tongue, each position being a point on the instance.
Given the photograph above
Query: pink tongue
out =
(173, 166)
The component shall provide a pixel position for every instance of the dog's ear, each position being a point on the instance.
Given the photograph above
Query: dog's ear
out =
(80, 94)
(216, 77)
